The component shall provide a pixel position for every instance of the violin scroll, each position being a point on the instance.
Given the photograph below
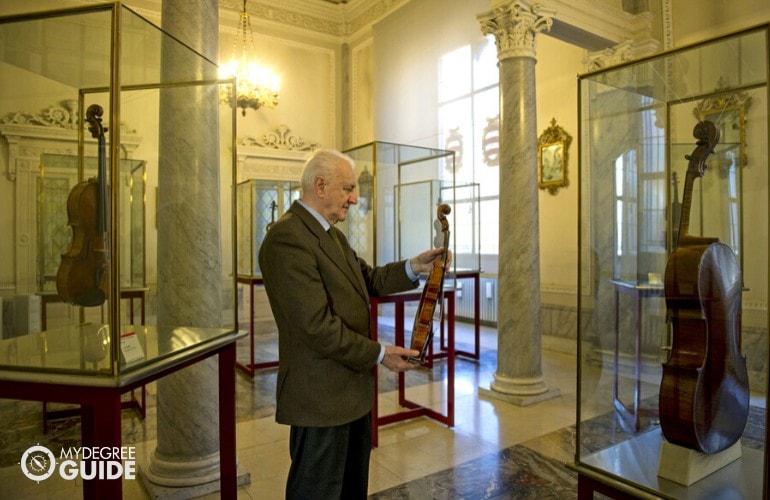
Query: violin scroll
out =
(273, 206)
(441, 213)
(94, 118)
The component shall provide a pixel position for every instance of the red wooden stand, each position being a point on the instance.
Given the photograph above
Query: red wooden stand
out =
(101, 408)
(139, 405)
(476, 276)
(252, 367)
(414, 409)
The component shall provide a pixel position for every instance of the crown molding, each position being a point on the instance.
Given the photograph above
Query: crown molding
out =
(326, 18)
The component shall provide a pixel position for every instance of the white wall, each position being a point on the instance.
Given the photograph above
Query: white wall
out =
(694, 20)
(558, 65)
(407, 46)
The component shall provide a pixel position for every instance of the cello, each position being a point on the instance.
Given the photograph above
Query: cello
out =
(422, 332)
(704, 392)
(83, 277)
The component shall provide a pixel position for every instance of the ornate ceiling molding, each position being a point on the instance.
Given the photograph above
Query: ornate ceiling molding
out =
(364, 14)
(338, 20)
(595, 24)
(285, 16)
(619, 54)
(599, 18)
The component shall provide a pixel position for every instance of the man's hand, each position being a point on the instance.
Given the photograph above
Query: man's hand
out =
(395, 358)
(423, 263)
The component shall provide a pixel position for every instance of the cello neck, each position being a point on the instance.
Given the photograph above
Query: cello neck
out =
(684, 218)
(707, 135)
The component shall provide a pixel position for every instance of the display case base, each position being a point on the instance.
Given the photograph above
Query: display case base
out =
(631, 467)
(685, 466)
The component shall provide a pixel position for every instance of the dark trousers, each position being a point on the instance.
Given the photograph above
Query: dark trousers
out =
(330, 462)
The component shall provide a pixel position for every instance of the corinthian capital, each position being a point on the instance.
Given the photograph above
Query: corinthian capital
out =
(515, 24)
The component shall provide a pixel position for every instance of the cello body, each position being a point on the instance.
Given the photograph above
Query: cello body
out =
(83, 277)
(704, 393)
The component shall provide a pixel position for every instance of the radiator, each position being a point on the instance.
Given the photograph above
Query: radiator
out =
(26, 314)
(487, 300)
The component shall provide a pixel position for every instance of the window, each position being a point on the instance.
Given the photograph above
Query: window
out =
(468, 100)
(640, 201)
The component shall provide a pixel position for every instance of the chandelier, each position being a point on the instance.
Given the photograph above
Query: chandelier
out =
(256, 86)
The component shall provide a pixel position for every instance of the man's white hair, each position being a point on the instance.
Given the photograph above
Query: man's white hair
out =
(321, 163)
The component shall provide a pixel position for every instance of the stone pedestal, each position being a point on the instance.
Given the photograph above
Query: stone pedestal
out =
(160, 492)
(685, 466)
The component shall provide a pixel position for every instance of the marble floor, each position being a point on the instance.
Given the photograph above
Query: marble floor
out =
(494, 450)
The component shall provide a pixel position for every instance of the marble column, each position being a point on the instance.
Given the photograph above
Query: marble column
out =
(185, 463)
(519, 377)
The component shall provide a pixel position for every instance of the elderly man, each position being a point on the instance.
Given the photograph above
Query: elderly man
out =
(319, 293)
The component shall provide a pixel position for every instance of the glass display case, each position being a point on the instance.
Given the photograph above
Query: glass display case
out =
(399, 189)
(467, 222)
(674, 166)
(415, 209)
(111, 66)
(259, 204)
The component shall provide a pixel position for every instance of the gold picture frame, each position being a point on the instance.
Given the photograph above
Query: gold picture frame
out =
(727, 109)
(552, 154)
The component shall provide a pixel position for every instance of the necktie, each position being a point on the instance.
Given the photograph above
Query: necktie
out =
(333, 234)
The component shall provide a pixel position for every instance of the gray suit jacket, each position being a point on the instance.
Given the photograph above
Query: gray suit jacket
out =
(320, 300)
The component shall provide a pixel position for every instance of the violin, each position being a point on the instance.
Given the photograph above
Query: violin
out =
(704, 392)
(273, 206)
(422, 332)
(83, 275)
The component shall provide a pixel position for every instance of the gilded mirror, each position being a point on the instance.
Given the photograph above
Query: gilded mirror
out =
(552, 148)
